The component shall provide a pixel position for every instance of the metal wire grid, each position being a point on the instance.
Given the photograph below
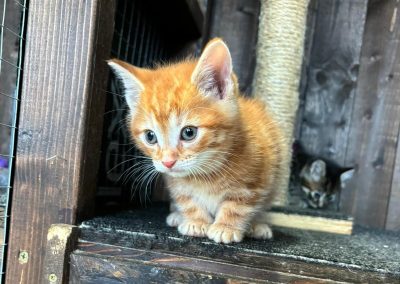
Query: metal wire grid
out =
(12, 27)
(137, 40)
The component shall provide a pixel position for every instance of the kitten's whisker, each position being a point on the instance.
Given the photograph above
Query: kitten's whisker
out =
(134, 171)
(123, 124)
(108, 172)
(226, 163)
(112, 93)
(228, 153)
(120, 144)
(213, 168)
(143, 169)
(114, 110)
(136, 156)
(128, 169)
(205, 176)
(150, 183)
(144, 174)
(143, 180)
(130, 149)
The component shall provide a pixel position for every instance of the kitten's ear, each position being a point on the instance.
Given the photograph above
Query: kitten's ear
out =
(131, 84)
(318, 170)
(345, 177)
(213, 72)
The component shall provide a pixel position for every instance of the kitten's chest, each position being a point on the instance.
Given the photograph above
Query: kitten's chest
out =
(207, 198)
(210, 202)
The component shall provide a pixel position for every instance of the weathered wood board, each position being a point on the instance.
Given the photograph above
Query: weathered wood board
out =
(350, 102)
(393, 214)
(313, 223)
(60, 125)
(236, 22)
(329, 79)
(375, 120)
(331, 76)
(102, 263)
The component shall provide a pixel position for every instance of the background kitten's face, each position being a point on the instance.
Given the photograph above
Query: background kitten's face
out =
(182, 115)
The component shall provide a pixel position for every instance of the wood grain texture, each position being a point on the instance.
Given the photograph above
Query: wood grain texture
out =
(102, 263)
(375, 121)
(160, 267)
(61, 241)
(311, 223)
(393, 213)
(236, 22)
(94, 269)
(308, 43)
(60, 124)
(331, 75)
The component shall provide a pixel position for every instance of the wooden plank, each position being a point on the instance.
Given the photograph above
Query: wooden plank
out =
(393, 214)
(167, 268)
(236, 21)
(312, 223)
(61, 241)
(93, 269)
(331, 76)
(308, 41)
(101, 262)
(60, 125)
(375, 120)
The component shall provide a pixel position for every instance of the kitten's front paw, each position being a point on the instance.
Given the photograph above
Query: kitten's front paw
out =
(224, 234)
(174, 219)
(260, 231)
(193, 228)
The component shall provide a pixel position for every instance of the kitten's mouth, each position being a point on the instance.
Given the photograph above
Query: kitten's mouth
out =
(172, 170)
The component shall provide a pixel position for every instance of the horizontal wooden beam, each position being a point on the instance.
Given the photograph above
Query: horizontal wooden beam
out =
(96, 262)
(312, 223)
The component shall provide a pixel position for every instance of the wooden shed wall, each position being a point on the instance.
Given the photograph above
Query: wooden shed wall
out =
(350, 102)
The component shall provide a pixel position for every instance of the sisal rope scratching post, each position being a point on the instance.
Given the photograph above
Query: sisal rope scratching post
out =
(279, 59)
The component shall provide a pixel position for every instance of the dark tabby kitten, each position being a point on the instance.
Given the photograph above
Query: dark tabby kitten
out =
(320, 179)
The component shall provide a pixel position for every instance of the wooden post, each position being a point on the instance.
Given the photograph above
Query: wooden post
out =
(60, 125)
(375, 120)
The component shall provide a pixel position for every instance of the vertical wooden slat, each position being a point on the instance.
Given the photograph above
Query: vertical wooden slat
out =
(331, 76)
(60, 125)
(375, 121)
(236, 22)
(393, 213)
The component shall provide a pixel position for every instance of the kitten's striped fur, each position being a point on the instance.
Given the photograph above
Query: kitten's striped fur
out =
(223, 181)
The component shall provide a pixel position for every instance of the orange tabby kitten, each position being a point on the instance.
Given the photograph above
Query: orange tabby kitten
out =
(221, 153)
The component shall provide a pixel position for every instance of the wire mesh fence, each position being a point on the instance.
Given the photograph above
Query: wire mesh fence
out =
(12, 27)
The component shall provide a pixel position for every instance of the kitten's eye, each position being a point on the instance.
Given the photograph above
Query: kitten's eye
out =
(188, 133)
(151, 137)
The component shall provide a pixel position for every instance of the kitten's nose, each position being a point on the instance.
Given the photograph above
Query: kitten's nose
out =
(169, 164)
